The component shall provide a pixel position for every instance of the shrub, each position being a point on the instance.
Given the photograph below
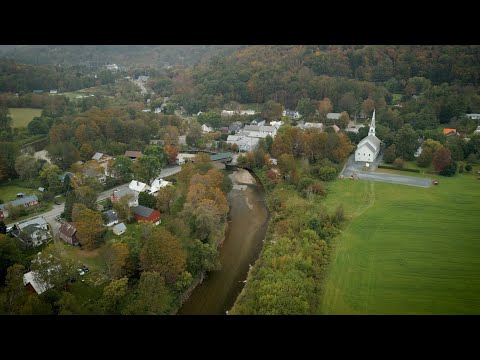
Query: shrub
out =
(394, 168)
(461, 167)
(425, 158)
(390, 153)
(399, 163)
(468, 167)
(304, 184)
(449, 170)
(327, 173)
(318, 188)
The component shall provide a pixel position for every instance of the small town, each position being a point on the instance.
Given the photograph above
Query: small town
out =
(239, 180)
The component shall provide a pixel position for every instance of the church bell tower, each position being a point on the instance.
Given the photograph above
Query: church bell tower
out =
(372, 125)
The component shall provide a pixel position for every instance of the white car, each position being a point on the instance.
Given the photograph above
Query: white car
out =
(81, 272)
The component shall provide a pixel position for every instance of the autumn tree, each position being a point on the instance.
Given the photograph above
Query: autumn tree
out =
(53, 267)
(441, 159)
(9, 254)
(306, 107)
(89, 226)
(122, 208)
(50, 178)
(27, 167)
(165, 198)
(147, 168)
(325, 106)
(272, 110)
(406, 142)
(343, 121)
(368, 106)
(87, 196)
(287, 166)
(146, 199)
(5, 118)
(390, 154)
(152, 297)
(115, 256)
(14, 289)
(164, 254)
(170, 135)
(86, 151)
(425, 158)
(114, 295)
(8, 155)
(122, 168)
(171, 152)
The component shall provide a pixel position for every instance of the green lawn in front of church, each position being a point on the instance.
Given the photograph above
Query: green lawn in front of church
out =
(405, 249)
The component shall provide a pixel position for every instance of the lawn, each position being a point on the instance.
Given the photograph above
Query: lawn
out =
(9, 192)
(22, 116)
(396, 97)
(405, 250)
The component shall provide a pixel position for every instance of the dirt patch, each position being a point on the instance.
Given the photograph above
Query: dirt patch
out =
(242, 176)
(88, 253)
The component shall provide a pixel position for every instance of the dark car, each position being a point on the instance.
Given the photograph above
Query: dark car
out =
(56, 202)
(85, 268)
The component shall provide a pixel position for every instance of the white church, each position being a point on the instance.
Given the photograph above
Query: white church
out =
(369, 147)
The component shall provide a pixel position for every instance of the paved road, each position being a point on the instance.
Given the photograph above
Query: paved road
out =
(58, 209)
(356, 167)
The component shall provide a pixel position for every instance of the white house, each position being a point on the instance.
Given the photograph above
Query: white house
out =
(228, 112)
(182, 158)
(247, 112)
(244, 143)
(333, 116)
(369, 147)
(157, 184)
(53, 91)
(474, 116)
(112, 67)
(311, 125)
(291, 114)
(138, 186)
(206, 128)
(119, 194)
(31, 279)
(477, 131)
(276, 124)
(269, 130)
(119, 229)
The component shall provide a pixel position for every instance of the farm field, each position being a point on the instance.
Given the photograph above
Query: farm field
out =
(22, 116)
(405, 250)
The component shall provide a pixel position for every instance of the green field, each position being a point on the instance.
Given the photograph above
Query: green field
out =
(9, 192)
(406, 250)
(22, 116)
(396, 97)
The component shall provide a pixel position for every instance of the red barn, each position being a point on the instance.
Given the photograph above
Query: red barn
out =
(142, 213)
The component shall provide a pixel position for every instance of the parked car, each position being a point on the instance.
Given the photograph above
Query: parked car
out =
(81, 272)
(56, 202)
(20, 195)
(85, 268)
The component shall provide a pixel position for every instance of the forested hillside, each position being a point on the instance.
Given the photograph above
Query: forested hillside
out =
(120, 54)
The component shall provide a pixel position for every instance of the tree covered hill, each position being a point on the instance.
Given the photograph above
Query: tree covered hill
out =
(120, 54)
(303, 75)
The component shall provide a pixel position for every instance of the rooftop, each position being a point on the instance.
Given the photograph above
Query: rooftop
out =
(143, 211)
(24, 200)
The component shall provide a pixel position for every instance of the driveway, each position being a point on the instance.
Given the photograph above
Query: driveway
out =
(352, 167)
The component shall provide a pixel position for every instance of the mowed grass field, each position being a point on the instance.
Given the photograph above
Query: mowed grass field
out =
(406, 250)
(9, 192)
(22, 116)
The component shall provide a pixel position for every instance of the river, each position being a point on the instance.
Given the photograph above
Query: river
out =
(248, 220)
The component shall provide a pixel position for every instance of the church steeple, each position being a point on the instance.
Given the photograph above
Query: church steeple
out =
(372, 125)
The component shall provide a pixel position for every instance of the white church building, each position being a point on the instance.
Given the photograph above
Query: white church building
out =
(368, 149)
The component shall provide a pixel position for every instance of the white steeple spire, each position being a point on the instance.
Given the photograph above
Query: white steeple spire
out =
(372, 125)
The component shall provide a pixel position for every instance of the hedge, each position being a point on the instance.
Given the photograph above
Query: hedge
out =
(394, 168)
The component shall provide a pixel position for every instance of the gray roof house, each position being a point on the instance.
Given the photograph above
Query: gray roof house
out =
(111, 218)
(119, 229)
(33, 232)
(26, 201)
